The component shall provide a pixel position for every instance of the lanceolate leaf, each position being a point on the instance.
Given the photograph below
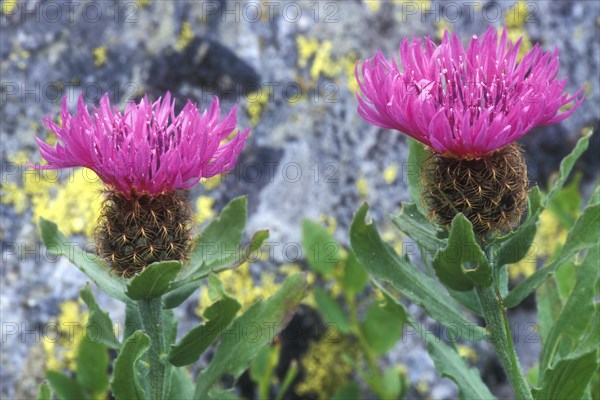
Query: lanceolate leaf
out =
(182, 386)
(414, 168)
(583, 235)
(384, 265)
(92, 367)
(416, 226)
(100, 326)
(154, 281)
(218, 244)
(569, 378)
(218, 317)
(182, 289)
(448, 362)
(569, 329)
(89, 264)
(126, 382)
(323, 251)
(332, 312)
(462, 264)
(65, 387)
(250, 332)
(567, 164)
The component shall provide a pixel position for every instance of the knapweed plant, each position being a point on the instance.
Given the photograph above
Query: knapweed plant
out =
(148, 157)
(464, 109)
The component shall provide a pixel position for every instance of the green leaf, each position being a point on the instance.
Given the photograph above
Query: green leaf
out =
(583, 235)
(569, 378)
(355, 276)
(450, 364)
(415, 225)
(65, 387)
(549, 306)
(517, 247)
(566, 204)
(384, 265)
(578, 311)
(217, 246)
(567, 164)
(447, 361)
(260, 369)
(154, 281)
(44, 393)
(250, 332)
(182, 289)
(218, 317)
(182, 386)
(322, 250)
(126, 382)
(392, 383)
(462, 264)
(99, 326)
(133, 321)
(332, 312)
(468, 300)
(88, 263)
(414, 170)
(383, 326)
(565, 278)
(347, 392)
(92, 367)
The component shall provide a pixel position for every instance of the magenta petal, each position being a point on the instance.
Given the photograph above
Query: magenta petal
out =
(464, 101)
(147, 148)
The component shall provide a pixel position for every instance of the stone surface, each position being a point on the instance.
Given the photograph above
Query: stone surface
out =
(316, 156)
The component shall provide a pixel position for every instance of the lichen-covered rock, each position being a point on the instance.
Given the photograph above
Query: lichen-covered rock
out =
(304, 113)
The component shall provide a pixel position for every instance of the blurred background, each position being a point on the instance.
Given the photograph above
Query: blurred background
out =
(290, 67)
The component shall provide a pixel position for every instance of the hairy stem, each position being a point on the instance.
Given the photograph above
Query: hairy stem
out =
(151, 315)
(500, 336)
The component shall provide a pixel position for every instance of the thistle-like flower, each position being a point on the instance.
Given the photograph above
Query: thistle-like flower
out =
(147, 156)
(467, 106)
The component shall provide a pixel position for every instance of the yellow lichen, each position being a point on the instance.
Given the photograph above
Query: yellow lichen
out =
(71, 199)
(515, 20)
(549, 236)
(306, 49)
(100, 55)
(64, 334)
(9, 6)
(348, 63)
(185, 36)
(390, 173)
(325, 367)
(256, 104)
(211, 183)
(442, 26)
(204, 209)
(467, 352)
(330, 223)
(240, 284)
(373, 5)
(362, 186)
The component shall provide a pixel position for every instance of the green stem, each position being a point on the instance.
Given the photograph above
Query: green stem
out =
(373, 380)
(499, 328)
(151, 316)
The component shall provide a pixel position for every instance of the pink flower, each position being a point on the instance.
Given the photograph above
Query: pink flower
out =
(464, 103)
(146, 149)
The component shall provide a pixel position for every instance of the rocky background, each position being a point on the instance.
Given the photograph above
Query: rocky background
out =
(290, 66)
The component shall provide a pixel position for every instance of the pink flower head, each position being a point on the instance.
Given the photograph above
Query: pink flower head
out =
(146, 149)
(464, 103)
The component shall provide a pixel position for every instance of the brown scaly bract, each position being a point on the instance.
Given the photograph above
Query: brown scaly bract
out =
(135, 232)
(490, 192)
